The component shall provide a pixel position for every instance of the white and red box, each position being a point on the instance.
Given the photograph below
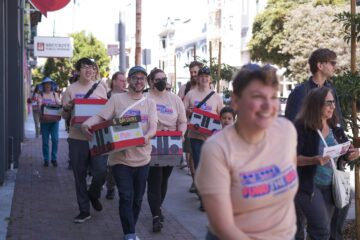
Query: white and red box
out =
(84, 108)
(50, 113)
(116, 135)
(204, 122)
(166, 148)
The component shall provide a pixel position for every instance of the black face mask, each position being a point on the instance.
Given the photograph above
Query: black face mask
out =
(161, 85)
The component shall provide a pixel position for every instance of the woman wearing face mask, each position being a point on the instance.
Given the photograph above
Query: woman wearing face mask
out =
(171, 117)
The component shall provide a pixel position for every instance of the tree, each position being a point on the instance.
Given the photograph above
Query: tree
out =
(85, 45)
(268, 27)
(301, 38)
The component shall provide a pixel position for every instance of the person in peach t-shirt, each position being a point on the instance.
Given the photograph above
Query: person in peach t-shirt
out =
(79, 152)
(130, 167)
(171, 115)
(247, 173)
(213, 104)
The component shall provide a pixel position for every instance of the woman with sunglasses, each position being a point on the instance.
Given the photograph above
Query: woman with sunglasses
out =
(172, 117)
(247, 173)
(315, 196)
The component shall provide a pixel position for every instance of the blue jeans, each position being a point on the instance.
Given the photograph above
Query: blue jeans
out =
(318, 210)
(48, 129)
(131, 184)
(196, 145)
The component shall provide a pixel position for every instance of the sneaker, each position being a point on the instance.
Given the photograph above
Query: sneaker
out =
(131, 236)
(54, 163)
(82, 217)
(161, 217)
(157, 225)
(192, 189)
(110, 194)
(95, 203)
(46, 164)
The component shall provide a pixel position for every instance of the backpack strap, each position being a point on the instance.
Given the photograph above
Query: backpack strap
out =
(92, 89)
(205, 99)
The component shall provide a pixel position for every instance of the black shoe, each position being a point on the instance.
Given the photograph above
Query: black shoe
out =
(161, 217)
(46, 164)
(110, 194)
(157, 225)
(201, 207)
(192, 189)
(95, 203)
(54, 163)
(82, 217)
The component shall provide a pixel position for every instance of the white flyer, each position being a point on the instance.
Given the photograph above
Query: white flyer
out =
(337, 150)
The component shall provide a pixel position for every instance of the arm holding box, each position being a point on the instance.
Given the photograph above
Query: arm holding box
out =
(153, 119)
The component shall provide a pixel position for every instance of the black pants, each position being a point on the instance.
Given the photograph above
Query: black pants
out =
(318, 210)
(157, 188)
(81, 161)
(131, 184)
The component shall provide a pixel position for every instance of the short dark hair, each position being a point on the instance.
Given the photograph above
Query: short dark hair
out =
(254, 72)
(153, 72)
(83, 61)
(195, 64)
(318, 56)
(114, 76)
(311, 109)
(227, 110)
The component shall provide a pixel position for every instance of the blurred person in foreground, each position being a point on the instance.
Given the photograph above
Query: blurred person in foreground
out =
(239, 163)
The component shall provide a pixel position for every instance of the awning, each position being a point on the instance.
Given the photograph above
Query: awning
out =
(45, 6)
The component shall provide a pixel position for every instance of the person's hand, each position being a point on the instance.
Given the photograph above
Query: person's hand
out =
(86, 131)
(321, 160)
(68, 107)
(353, 153)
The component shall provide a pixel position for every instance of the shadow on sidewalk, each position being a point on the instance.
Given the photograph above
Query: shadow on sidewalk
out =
(44, 205)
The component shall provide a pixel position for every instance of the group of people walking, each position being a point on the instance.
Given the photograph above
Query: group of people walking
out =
(261, 177)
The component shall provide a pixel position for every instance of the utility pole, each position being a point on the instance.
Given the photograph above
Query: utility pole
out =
(138, 33)
(122, 56)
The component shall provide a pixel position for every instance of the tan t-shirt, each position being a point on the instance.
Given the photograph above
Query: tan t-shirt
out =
(136, 156)
(170, 111)
(49, 98)
(77, 90)
(214, 105)
(260, 179)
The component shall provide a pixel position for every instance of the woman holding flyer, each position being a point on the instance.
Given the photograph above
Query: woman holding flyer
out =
(315, 196)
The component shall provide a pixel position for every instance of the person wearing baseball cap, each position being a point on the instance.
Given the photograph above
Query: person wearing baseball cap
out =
(130, 167)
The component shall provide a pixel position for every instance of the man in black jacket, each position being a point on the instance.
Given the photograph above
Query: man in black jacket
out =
(322, 63)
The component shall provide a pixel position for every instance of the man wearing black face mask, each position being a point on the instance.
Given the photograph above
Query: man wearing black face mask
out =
(171, 116)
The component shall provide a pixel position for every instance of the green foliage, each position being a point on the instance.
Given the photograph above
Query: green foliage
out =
(37, 75)
(347, 19)
(226, 72)
(60, 69)
(268, 28)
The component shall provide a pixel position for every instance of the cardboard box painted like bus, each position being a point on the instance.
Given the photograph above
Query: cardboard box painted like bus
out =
(166, 148)
(50, 113)
(204, 122)
(85, 108)
(116, 135)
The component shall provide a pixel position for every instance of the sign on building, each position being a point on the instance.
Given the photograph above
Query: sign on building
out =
(112, 49)
(53, 47)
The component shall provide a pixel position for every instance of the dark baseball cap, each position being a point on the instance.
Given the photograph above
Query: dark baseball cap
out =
(137, 69)
(204, 70)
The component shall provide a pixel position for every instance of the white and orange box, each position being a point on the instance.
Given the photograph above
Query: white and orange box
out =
(50, 113)
(166, 149)
(204, 122)
(116, 135)
(85, 108)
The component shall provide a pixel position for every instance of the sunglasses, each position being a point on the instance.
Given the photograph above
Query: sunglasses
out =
(333, 63)
(329, 103)
(160, 79)
(135, 78)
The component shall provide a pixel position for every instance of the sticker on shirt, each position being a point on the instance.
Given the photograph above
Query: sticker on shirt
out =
(267, 181)
(134, 112)
(164, 109)
(48, 101)
(82, 95)
(203, 107)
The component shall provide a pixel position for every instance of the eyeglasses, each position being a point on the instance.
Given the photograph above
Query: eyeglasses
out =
(135, 78)
(88, 67)
(160, 79)
(332, 63)
(329, 103)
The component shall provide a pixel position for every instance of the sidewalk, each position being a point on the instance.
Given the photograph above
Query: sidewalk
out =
(44, 204)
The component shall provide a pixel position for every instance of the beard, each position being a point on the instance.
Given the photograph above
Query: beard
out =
(134, 89)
